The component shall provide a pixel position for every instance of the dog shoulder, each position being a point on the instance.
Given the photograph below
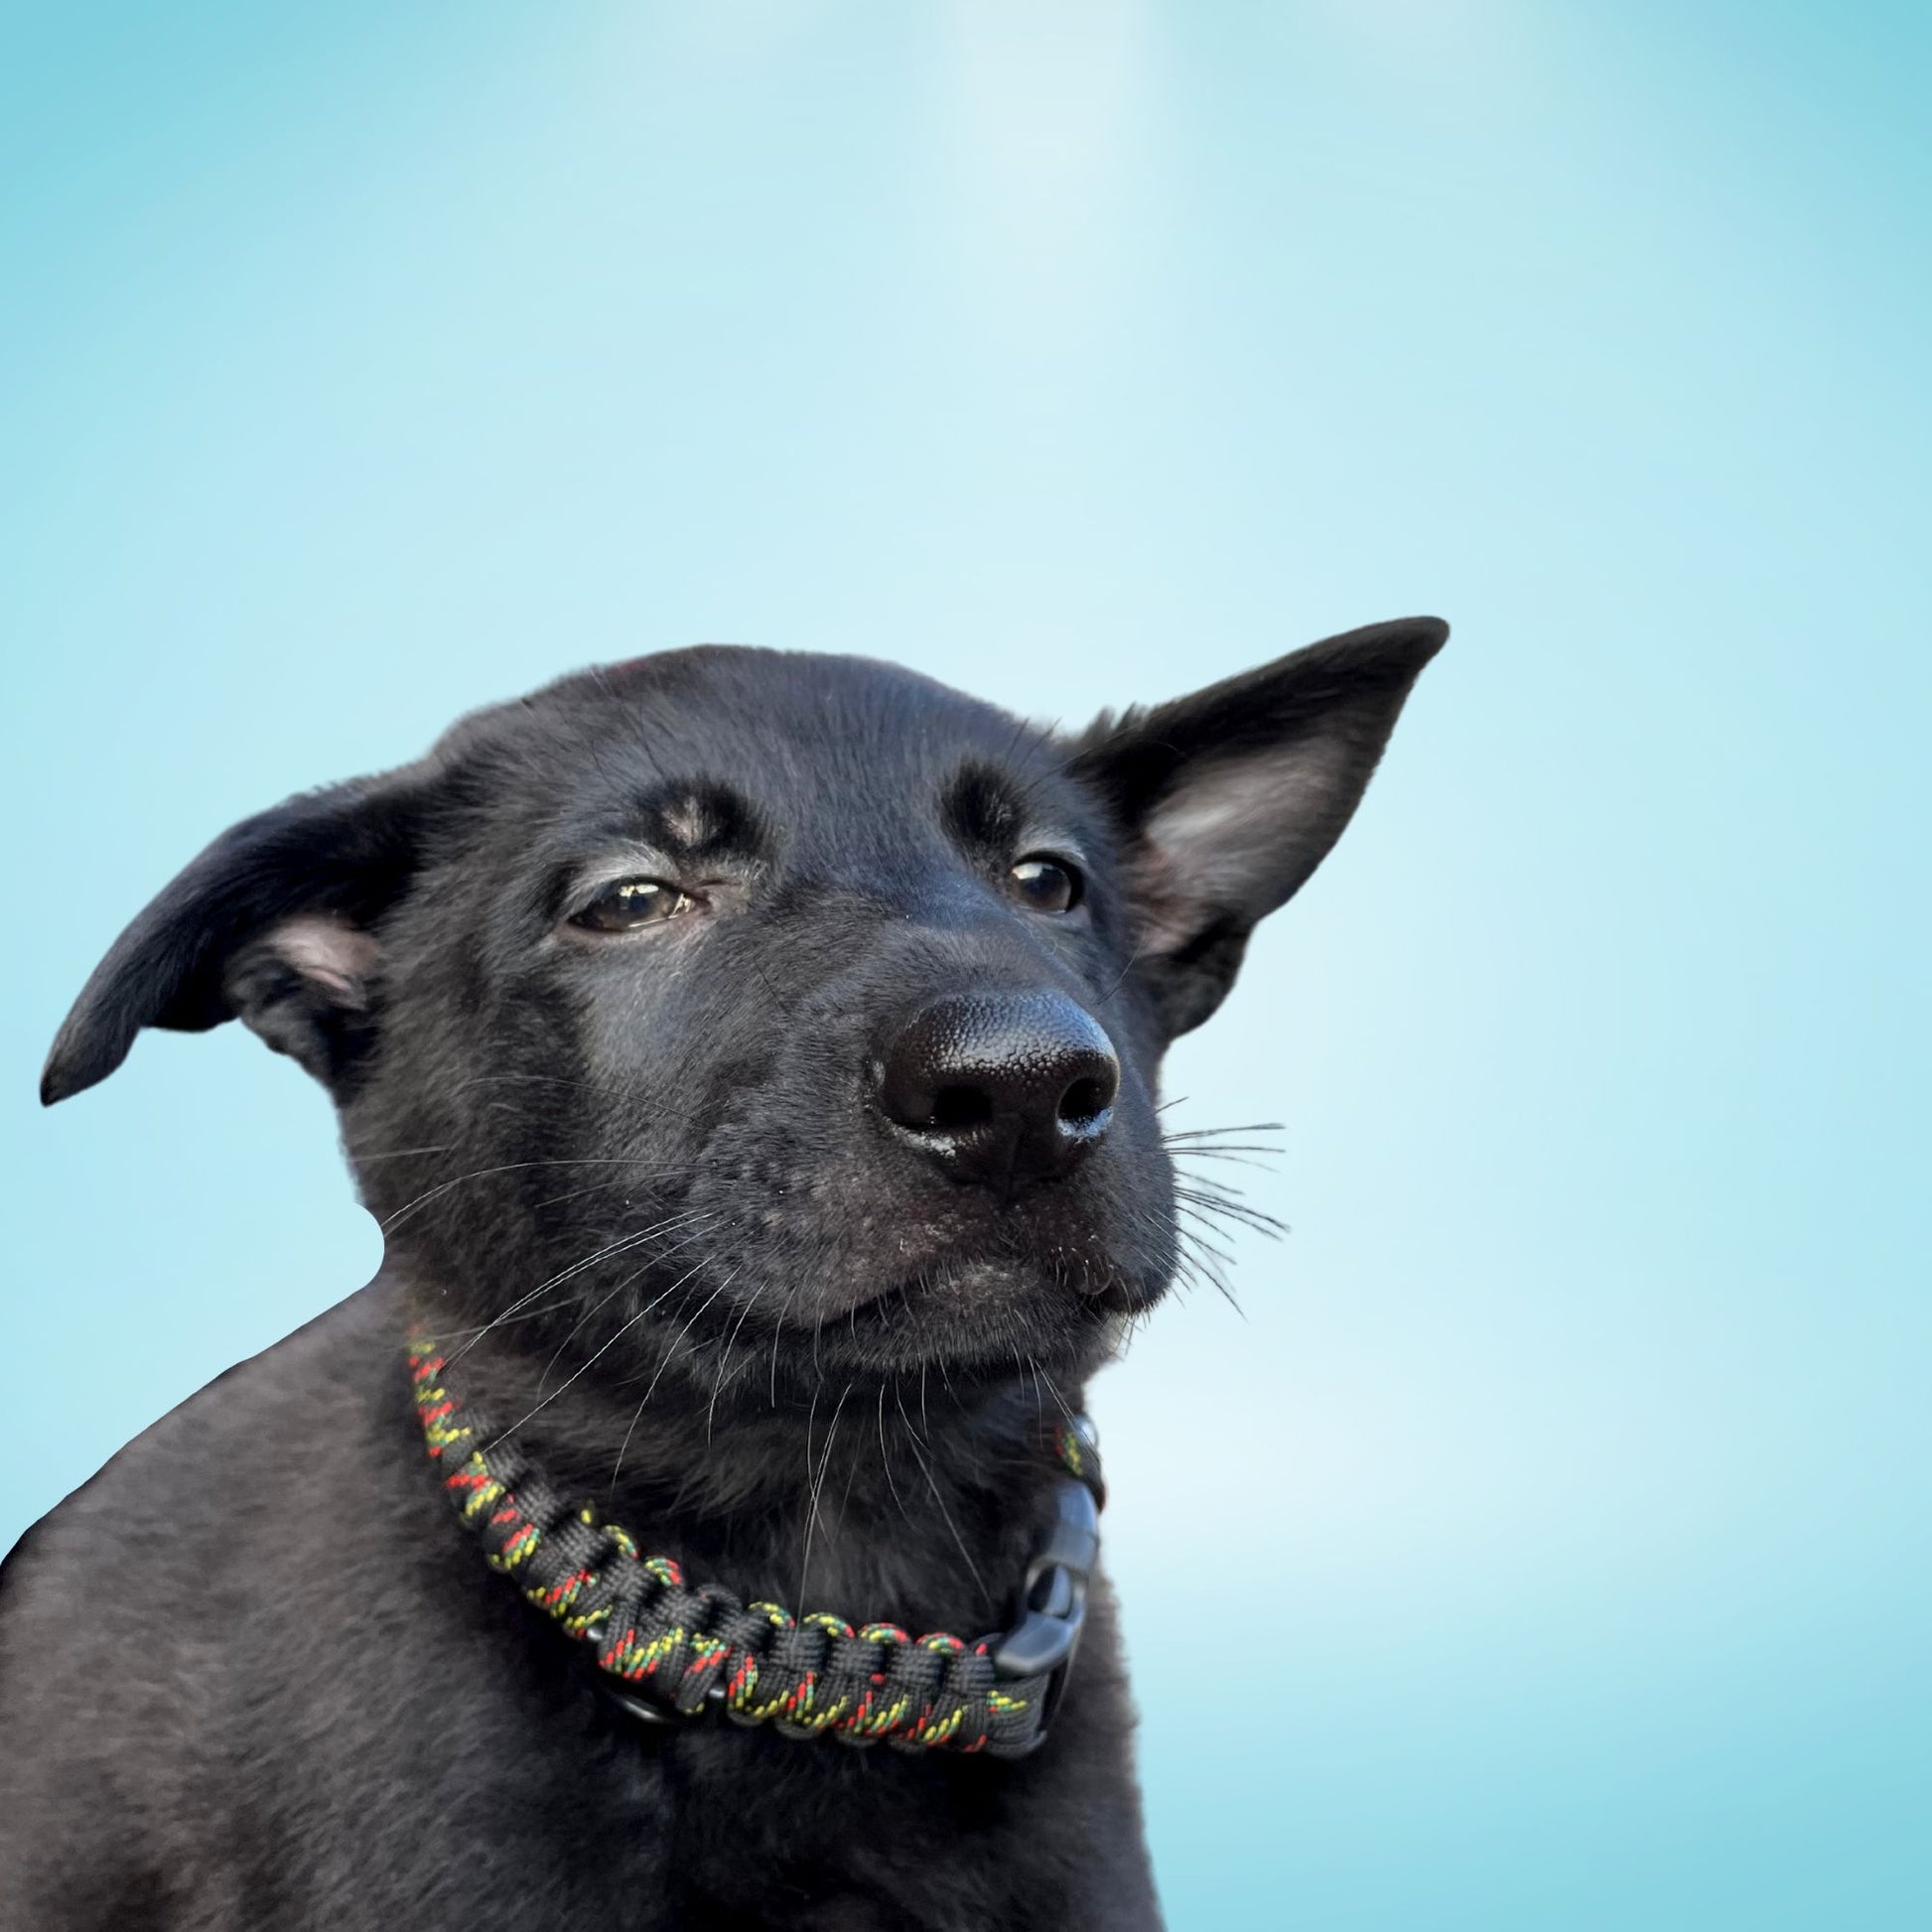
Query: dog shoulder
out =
(168, 1511)
(132, 1617)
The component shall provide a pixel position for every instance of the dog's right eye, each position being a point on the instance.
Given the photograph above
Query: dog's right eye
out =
(627, 903)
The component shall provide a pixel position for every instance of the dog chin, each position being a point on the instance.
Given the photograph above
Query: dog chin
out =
(979, 1309)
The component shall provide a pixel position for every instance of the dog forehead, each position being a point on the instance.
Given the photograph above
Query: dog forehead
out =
(796, 733)
(812, 702)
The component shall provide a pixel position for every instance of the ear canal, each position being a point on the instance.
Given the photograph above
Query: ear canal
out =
(1230, 798)
(319, 868)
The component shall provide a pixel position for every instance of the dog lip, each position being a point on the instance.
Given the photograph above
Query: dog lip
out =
(944, 1277)
(957, 1276)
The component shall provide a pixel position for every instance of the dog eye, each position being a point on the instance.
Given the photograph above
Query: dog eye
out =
(627, 903)
(1044, 885)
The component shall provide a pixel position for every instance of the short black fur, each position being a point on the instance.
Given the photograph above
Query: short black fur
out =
(254, 1675)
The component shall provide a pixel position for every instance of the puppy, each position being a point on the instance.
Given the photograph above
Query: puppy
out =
(751, 1060)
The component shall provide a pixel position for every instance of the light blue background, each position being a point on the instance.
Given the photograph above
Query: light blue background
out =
(1555, 1517)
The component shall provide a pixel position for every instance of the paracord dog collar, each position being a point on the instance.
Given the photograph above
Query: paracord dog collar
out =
(669, 1651)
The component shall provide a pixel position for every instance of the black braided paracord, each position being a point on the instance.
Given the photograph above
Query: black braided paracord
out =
(686, 1649)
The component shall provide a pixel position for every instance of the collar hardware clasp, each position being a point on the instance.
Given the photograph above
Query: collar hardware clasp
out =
(1051, 1611)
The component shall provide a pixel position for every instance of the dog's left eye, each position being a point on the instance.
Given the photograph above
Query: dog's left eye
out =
(1043, 885)
(627, 903)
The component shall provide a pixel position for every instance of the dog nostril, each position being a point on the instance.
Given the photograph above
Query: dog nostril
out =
(1084, 1102)
(1001, 1090)
(955, 1109)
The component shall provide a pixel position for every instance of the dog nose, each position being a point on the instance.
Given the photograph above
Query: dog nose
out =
(1001, 1089)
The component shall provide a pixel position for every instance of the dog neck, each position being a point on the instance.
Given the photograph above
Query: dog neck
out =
(914, 1498)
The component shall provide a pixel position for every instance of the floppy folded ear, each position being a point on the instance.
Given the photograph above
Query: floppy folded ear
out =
(1231, 797)
(272, 925)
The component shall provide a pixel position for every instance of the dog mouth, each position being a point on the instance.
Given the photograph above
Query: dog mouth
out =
(969, 1307)
(911, 1269)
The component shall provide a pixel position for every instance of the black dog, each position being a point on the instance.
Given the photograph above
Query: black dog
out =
(751, 1058)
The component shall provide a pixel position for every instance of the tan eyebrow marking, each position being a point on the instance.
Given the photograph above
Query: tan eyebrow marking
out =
(689, 823)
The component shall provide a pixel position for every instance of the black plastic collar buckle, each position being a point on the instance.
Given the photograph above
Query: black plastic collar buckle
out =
(1053, 1607)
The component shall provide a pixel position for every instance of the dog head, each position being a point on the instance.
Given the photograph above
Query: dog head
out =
(731, 992)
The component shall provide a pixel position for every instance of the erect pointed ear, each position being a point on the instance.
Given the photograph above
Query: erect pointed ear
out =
(1230, 798)
(272, 925)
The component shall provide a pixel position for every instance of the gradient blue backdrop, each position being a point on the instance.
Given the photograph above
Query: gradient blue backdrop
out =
(362, 363)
